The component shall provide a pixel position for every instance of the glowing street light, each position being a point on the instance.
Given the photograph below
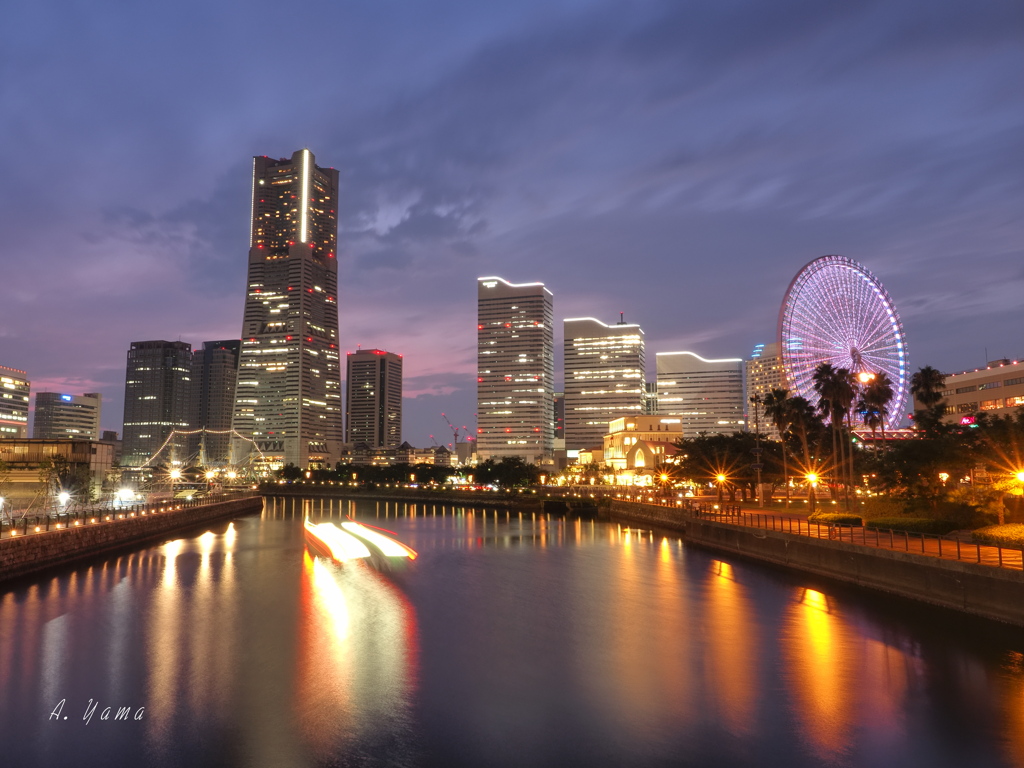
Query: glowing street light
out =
(812, 496)
(63, 497)
(721, 481)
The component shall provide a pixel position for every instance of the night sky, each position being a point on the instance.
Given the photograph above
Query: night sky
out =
(676, 161)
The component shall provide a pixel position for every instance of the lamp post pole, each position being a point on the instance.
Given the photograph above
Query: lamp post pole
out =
(756, 401)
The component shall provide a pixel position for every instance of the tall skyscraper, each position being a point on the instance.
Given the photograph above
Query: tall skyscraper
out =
(604, 378)
(157, 401)
(764, 372)
(214, 373)
(373, 398)
(14, 393)
(60, 416)
(515, 370)
(288, 398)
(706, 394)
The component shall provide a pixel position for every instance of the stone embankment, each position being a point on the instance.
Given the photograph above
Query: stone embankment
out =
(981, 590)
(29, 554)
(526, 501)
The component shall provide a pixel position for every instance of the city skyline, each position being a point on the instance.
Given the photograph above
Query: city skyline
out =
(681, 168)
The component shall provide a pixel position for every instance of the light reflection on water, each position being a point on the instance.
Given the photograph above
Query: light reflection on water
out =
(513, 639)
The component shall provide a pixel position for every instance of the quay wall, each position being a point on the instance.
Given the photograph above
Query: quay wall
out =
(29, 554)
(995, 593)
(502, 500)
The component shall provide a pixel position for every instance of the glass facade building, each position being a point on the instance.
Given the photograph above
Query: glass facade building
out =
(214, 373)
(157, 402)
(288, 397)
(373, 398)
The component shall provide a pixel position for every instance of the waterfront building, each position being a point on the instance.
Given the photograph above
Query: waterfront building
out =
(515, 370)
(604, 377)
(67, 416)
(214, 373)
(87, 461)
(638, 443)
(997, 389)
(764, 372)
(14, 394)
(706, 394)
(288, 398)
(373, 398)
(157, 403)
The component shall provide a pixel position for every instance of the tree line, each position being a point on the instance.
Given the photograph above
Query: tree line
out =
(946, 467)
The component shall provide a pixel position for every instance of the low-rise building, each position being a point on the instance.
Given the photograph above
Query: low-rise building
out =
(997, 388)
(659, 433)
(84, 465)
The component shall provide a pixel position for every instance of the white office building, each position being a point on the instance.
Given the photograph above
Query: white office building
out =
(706, 394)
(515, 370)
(604, 378)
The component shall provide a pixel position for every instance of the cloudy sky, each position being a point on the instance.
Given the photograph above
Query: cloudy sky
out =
(677, 161)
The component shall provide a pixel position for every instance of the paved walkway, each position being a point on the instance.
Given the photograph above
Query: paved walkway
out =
(955, 546)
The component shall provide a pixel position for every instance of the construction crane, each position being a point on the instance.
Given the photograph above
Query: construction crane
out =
(455, 430)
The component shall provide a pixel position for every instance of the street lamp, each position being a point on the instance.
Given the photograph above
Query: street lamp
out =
(175, 474)
(812, 480)
(721, 481)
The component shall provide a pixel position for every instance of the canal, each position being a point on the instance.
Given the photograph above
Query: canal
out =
(512, 640)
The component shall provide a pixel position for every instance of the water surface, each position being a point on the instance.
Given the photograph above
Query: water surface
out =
(512, 640)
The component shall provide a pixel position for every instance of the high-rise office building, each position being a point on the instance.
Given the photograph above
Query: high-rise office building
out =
(67, 416)
(706, 394)
(214, 372)
(157, 403)
(764, 372)
(604, 378)
(14, 394)
(373, 398)
(515, 369)
(288, 398)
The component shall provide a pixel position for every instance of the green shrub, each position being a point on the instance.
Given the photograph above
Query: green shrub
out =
(835, 518)
(1011, 535)
(882, 506)
(913, 524)
(961, 514)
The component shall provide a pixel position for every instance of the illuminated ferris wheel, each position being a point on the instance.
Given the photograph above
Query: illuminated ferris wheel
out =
(837, 312)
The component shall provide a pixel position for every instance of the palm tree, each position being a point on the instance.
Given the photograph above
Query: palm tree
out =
(777, 409)
(926, 385)
(836, 388)
(806, 422)
(877, 395)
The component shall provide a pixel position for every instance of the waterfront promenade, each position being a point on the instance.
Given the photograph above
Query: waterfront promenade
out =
(33, 545)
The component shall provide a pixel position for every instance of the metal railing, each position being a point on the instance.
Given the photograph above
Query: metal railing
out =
(928, 544)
